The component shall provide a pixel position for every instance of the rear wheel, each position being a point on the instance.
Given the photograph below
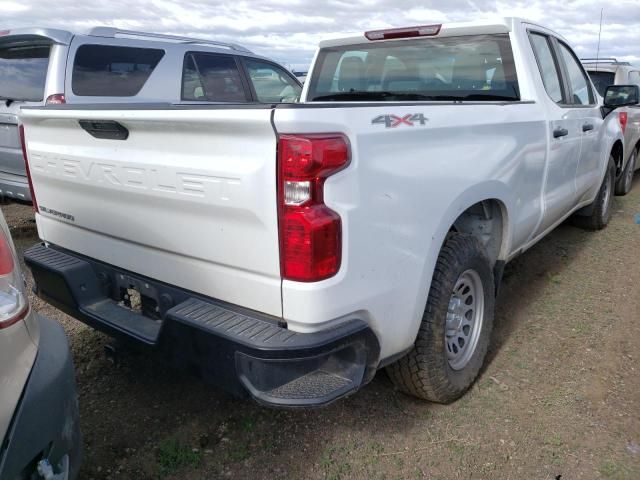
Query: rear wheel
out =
(623, 185)
(600, 210)
(456, 325)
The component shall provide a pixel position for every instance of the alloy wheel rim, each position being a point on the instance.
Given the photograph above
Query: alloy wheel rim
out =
(464, 319)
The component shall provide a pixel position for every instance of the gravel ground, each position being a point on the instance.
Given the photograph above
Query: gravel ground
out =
(558, 399)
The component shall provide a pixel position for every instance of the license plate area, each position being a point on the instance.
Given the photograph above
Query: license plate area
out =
(138, 296)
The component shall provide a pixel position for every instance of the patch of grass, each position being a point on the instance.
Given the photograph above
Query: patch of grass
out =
(553, 399)
(247, 424)
(521, 365)
(555, 279)
(456, 447)
(614, 470)
(554, 441)
(582, 328)
(375, 447)
(334, 467)
(174, 455)
(237, 452)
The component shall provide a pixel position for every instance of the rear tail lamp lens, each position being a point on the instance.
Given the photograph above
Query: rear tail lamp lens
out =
(310, 232)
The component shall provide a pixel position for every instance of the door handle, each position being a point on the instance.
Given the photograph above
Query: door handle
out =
(560, 132)
(587, 127)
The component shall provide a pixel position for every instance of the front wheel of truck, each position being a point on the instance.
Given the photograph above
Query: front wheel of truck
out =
(454, 335)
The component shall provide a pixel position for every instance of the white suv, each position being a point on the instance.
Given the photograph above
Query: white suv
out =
(609, 71)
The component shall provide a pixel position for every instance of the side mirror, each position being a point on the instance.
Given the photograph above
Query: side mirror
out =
(621, 96)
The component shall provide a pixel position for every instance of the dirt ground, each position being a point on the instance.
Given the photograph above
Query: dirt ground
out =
(559, 397)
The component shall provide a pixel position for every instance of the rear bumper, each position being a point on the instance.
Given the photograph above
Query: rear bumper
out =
(46, 423)
(15, 186)
(243, 351)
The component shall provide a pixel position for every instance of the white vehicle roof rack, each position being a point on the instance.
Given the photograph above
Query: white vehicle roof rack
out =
(604, 60)
(112, 32)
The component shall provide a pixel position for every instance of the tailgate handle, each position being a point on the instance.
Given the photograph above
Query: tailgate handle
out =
(105, 129)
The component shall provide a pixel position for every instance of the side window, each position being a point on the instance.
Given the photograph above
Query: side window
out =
(547, 66)
(212, 78)
(271, 83)
(580, 89)
(110, 71)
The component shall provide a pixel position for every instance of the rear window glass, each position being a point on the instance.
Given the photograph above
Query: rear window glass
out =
(212, 78)
(23, 72)
(110, 71)
(602, 80)
(456, 68)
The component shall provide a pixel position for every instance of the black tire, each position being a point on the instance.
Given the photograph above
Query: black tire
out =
(623, 185)
(599, 212)
(426, 372)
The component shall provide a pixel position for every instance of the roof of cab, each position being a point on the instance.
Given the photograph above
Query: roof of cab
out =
(477, 27)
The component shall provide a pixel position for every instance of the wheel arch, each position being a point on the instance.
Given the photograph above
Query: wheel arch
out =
(491, 202)
(494, 192)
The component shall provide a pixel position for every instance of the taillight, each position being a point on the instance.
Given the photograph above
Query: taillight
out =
(23, 142)
(55, 99)
(405, 32)
(310, 232)
(623, 118)
(13, 302)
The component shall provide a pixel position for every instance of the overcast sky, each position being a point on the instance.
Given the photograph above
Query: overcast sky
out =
(288, 30)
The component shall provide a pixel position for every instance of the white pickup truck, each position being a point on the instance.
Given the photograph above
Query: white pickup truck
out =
(290, 251)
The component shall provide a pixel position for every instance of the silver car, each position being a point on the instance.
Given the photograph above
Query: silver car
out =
(39, 429)
(46, 66)
(609, 71)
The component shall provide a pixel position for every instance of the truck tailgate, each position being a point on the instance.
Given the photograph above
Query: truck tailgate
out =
(189, 198)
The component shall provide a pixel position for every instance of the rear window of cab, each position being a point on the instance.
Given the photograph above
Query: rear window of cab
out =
(478, 67)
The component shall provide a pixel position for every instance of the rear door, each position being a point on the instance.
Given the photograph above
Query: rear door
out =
(563, 155)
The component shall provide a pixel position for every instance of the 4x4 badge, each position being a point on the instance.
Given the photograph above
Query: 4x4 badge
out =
(393, 121)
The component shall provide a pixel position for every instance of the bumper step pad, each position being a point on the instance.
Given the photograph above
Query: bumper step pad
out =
(238, 349)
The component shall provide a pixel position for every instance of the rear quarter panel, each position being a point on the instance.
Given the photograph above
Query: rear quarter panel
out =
(400, 195)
